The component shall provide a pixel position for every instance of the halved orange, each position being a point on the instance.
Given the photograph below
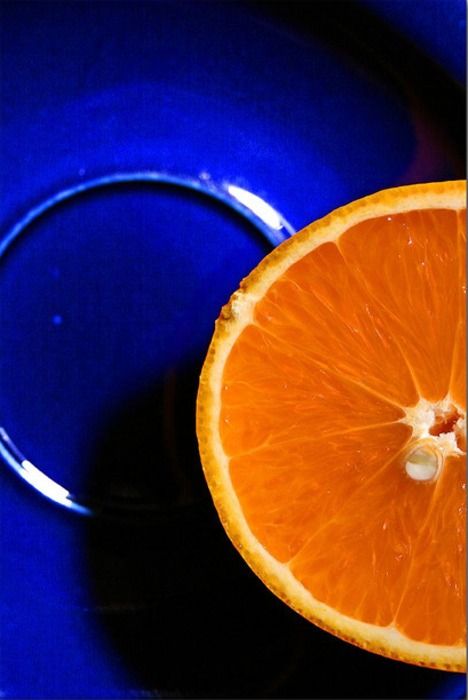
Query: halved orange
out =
(331, 422)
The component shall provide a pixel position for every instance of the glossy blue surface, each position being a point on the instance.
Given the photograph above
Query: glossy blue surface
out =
(108, 303)
(437, 27)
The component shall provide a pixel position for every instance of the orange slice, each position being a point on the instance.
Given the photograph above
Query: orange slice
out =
(331, 423)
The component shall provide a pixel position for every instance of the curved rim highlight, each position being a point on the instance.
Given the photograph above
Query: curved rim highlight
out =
(253, 208)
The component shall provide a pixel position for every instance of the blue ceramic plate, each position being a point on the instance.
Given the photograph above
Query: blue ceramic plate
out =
(152, 154)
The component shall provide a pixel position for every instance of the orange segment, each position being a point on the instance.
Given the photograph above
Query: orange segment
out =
(331, 423)
(435, 605)
(319, 306)
(313, 398)
(458, 376)
(377, 541)
(285, 508)
(413, 282)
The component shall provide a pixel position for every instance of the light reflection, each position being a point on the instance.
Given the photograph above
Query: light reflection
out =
(36, 478)
(257, 206)
(45, 484)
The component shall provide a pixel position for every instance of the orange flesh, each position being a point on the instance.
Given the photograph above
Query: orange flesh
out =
(314, 391)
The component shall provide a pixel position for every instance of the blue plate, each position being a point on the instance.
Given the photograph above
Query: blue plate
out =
(152, 154)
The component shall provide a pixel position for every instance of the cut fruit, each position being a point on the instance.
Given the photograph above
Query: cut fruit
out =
(331, 423)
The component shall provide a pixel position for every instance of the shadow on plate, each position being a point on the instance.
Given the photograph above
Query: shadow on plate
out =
(184, 612)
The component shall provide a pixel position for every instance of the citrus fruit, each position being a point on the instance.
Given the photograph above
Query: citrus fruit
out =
(331, 422)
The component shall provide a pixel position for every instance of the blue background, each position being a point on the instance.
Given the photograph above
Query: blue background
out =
(108, 303)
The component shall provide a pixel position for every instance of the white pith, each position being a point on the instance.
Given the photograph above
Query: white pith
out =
(426, 454)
